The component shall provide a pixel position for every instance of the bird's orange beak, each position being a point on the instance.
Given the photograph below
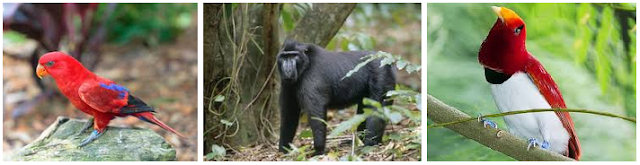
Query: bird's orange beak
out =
(506, 15)
(41, 71)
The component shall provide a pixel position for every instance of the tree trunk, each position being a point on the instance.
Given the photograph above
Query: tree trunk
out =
(321, 23)
(239, 57)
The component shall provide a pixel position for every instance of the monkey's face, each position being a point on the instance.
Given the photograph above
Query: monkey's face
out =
(292, 63)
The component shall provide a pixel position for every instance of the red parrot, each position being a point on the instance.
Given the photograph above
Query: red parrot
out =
(519, 82)
(99, 97)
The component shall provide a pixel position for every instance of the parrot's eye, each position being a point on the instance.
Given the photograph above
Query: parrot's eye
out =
(517, 31)
(49, 64)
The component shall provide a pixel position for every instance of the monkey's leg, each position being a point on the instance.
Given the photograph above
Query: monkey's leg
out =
(375, 124)
(375, 130)
(289, 118)
(319, 129)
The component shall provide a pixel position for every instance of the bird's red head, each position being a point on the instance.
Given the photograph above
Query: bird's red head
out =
(504, 48)
(58, 64)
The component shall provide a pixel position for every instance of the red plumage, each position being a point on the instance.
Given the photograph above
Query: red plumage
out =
(504, 51)
(96, 96)
(551, 93)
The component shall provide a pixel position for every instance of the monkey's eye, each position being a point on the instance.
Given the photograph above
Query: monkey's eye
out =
(306, 51)
(49, 64)
(517, 31)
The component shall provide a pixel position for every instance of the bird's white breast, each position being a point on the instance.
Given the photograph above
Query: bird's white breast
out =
(520, 93)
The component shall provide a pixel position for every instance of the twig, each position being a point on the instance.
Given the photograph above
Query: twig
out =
(535, 110)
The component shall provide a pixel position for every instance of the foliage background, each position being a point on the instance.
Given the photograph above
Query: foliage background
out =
(589, 49)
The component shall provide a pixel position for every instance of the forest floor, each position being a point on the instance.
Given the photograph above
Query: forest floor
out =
(339, 147)
(164, 76)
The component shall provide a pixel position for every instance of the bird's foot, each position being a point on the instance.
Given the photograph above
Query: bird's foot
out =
(487, 122)
(86, 126)
(94, 135)
(534, 142)
(545, 145)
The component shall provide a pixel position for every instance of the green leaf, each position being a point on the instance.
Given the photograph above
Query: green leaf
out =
(319, 119)
(401, 64)
(394, 117)
(217, 152)
(413, 146)
(368, 101)
(413, 68)
(387, 61)
(400, 93)
(226, 122)
(219, 98)
(306, 134)
(209, 156)
(349, 124)
(416, 117)
(354, 70)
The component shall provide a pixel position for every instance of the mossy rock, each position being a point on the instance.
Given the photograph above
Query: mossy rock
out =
(59, 142)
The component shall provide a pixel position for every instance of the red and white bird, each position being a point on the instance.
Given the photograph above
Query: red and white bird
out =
(519, 82)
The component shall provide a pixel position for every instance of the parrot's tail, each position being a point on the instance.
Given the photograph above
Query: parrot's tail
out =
(148, 117)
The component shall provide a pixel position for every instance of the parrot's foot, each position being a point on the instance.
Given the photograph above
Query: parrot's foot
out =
(534, 142)
(86, 126)
(94, 135)
(487, 122)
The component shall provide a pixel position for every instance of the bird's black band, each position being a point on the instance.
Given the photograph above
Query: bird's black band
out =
(494, 77)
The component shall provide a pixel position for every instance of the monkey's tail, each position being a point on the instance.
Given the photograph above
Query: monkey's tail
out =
(148, 117)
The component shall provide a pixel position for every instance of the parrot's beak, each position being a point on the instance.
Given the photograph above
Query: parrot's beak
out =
(41, 72)
(506, 15)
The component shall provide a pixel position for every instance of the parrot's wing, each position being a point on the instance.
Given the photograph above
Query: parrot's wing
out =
(135, 105)
(551, 93)
(104, 97)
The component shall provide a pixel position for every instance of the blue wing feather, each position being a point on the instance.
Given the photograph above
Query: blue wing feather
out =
(122, 91)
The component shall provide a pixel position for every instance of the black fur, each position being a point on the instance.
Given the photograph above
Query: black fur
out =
(311, 81)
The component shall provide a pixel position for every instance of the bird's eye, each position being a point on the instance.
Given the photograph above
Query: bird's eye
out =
(49, 64)
(517, 31)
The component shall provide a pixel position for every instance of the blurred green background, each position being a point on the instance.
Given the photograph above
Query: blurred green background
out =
(589, 49)
(153, 23)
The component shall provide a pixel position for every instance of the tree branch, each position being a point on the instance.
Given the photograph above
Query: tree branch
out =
(506, 143)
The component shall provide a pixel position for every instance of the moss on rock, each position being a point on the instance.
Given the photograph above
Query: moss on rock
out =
(59, 142)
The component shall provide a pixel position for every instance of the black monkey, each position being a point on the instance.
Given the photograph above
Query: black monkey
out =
(311, 81)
